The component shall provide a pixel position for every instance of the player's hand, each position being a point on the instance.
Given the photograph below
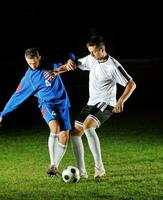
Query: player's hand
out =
(1, 121)
(70, 65)
(49, 74)
(118, 107)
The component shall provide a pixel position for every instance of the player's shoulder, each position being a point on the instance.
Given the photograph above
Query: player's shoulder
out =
(27, 72)
(113, 61)
(86, 62)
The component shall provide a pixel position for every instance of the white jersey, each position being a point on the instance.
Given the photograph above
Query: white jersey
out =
(103, 79)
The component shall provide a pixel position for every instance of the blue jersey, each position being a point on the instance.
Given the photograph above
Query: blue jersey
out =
(47, 91)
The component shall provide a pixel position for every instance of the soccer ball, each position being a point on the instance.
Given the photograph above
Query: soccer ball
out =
(71, 174)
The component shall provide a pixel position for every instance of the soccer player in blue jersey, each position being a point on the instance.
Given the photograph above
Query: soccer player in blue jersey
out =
(53, 102)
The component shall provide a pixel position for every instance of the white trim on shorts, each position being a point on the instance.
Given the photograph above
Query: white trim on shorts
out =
(96, 119)
(89, 116)
(78, 123)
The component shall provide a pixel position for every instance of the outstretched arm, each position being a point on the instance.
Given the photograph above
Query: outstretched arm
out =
(69, 66)
(23, 91)
(130, 87)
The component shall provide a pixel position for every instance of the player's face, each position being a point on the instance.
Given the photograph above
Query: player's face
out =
(97, 53)
(34, 63)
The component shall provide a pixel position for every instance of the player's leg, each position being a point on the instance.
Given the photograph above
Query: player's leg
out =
(90, 126)
(78, 149)
(50, 117)
(76, 140)
(53, 147)
(65, 127)
(98, 115)
(62, 145)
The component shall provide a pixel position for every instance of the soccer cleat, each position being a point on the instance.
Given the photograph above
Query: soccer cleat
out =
(99, 172)
(83, 174)
(53, 171)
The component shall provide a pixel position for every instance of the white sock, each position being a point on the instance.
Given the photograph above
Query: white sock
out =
(78, 149)
(53, 146)
(94, 145)
(60, 153)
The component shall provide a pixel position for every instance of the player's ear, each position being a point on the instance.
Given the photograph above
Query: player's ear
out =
(39, 57)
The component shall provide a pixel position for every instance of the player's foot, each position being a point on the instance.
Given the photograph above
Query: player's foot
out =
(83, 174)
(53, 171)
(99, 172)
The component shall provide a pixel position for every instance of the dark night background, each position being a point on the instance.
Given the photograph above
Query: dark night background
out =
(133, 32)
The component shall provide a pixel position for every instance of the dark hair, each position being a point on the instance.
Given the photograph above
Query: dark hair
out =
(31, 53)
(96, 40)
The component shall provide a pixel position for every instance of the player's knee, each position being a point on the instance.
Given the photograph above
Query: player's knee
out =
(54, 126)
(64, 137)
(54, 130)
(77, 131)
(89, 126)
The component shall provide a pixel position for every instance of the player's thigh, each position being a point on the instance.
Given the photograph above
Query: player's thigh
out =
(64, 119)
(89, 123)
(79, 121)
(97, 116)
(48, 113)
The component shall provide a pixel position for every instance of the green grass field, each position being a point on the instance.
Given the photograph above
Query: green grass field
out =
(132, 152)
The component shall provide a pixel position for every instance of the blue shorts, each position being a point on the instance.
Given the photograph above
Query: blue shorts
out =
(55, 112)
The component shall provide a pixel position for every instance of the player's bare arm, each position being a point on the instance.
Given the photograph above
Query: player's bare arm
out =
(69, 66)
(130, 87)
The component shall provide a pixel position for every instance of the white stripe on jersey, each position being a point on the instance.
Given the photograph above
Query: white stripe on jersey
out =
(103, 79)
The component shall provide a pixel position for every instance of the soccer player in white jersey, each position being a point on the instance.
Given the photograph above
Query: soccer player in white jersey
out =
(105, 73)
